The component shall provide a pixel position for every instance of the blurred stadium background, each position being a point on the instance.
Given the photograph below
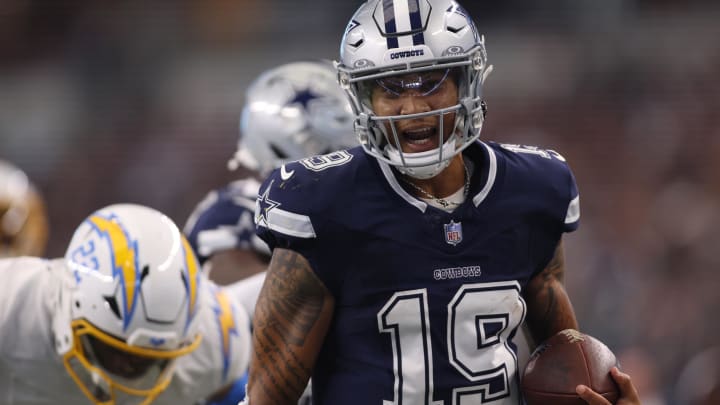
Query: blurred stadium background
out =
(136, 101)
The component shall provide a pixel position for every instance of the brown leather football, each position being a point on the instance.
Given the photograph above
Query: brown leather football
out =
(563, 362)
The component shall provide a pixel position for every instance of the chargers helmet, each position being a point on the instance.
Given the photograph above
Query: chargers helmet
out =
(293, 111)
(128, 305)
(396, 37)
(23, 216)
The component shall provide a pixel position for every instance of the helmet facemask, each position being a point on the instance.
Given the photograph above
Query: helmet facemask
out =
(378, 134)
(400, 38)
(108, 369)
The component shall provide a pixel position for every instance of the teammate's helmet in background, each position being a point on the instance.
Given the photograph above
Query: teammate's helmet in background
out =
(395, 37)
(293, 111)
(128, 306)
(23, 217)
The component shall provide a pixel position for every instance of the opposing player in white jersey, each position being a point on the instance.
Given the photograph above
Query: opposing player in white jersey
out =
(292, 111)
(126, 317)
(23, 217)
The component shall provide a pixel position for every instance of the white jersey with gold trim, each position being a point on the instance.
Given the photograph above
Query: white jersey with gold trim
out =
(31, 371)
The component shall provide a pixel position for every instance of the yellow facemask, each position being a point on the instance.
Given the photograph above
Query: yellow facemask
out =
(99, 385)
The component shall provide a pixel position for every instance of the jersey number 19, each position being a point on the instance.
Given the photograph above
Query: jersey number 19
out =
(481, 318)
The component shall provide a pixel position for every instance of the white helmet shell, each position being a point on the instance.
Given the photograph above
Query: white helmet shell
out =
(132, 282)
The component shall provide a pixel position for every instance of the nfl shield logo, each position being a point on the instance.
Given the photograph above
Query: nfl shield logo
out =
(453, 232)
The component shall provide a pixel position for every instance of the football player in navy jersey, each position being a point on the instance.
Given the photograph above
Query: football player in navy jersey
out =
(403, 268)
(291, 111)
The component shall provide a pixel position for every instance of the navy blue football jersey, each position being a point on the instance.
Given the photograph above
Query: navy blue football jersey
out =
(426, 302)
(224, 220)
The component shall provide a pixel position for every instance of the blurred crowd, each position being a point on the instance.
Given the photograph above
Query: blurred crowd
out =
(138, 102)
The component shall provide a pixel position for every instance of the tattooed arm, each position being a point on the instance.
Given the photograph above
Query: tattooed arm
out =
(291, 319)
(549, 308)
(550, 311)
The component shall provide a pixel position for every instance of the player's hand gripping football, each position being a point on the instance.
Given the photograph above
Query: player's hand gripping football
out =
(628, 393)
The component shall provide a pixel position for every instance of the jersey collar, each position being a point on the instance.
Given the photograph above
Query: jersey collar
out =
(485, 171)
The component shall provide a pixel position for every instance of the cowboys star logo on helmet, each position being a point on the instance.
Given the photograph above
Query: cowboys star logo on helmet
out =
(293, 111)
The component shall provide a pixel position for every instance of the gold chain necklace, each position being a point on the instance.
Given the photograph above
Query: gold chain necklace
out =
(443, 202)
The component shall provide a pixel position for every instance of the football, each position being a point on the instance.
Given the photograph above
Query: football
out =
(564, 361)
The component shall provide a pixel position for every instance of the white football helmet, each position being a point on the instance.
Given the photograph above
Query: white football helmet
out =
(128, 304)
(23, 216)
(387, 38)
(291, 112)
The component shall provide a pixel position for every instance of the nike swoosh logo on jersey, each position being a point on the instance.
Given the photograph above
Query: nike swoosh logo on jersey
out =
(284, 174)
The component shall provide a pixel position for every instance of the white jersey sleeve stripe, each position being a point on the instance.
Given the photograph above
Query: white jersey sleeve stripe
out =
(289, 223)
(573, 211)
